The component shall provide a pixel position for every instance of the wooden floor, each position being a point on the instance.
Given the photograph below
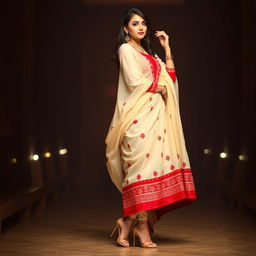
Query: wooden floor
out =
(81, 226)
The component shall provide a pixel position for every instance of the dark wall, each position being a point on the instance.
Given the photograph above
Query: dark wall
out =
(57, 75)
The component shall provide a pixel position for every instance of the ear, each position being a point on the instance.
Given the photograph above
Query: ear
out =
(125, 29)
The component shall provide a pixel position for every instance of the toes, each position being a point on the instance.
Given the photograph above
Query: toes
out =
(124, 242)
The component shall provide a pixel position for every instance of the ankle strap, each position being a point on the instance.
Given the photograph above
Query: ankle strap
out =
(142, 220)
(131, 217)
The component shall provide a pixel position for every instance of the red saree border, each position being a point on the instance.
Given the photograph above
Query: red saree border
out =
(170, 191)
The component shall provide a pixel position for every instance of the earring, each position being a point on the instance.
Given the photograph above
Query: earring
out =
(127, 37)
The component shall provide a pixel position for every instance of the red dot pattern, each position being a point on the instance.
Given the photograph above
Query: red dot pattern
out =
(155, 173)
(142, 135)
(138, 177)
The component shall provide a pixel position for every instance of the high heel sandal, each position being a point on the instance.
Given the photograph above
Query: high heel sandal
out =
(122, 242)
(149, 244)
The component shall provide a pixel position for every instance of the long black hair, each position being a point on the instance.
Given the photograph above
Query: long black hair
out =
(146, 42)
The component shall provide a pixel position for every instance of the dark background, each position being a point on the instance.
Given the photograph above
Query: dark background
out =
(58, 84)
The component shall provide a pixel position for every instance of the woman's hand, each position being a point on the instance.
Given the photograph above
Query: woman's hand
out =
(163, 38)
(161, 89)
(164, 94)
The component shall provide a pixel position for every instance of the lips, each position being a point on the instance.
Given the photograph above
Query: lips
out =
(141, 33)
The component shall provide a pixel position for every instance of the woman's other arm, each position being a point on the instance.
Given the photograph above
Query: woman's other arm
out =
(169, 65)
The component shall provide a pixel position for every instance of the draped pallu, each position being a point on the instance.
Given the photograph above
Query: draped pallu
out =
(145, 146)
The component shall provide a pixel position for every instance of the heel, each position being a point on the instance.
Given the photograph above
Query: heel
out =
(143, 244)
(134, 234)
(122, 242)
(114, 230)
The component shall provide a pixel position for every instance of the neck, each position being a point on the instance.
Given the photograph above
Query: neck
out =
(135, 43)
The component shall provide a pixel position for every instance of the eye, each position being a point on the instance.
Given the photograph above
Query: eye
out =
(136, 23)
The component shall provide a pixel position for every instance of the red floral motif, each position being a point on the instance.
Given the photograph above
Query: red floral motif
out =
(151, 108)
(150, 98)
(178, 155)
(142, 135)
(172, 167)
(162, 154)
(159, 137)
(135, 121)
(138, 177)
(167, 158)
(147, 155)
(183, 164)
(155, 173)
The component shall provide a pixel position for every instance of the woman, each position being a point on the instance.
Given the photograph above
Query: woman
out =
(146, 154)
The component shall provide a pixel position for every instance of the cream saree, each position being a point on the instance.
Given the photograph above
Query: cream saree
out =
(146, 153)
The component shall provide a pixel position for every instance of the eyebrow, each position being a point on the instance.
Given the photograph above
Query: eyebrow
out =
(137, 21)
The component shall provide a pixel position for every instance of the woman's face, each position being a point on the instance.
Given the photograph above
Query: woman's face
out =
(136, 28)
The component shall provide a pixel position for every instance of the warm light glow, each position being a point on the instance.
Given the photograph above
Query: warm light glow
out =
(63, 151)
(242, 157)
(35, 157)
(14, 160)
(207, 151)
(47, 154)
(223, 155)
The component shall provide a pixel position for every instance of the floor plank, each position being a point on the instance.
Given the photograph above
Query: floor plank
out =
(82, 226)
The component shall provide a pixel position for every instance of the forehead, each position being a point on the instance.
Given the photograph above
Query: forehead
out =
(136, 17)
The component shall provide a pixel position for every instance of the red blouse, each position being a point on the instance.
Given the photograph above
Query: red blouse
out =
(156, 68)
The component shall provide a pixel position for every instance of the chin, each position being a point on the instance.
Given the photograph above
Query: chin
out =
(140, 37)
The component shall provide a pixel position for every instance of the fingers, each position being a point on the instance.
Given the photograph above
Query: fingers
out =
(164, 94)
(158, 33)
